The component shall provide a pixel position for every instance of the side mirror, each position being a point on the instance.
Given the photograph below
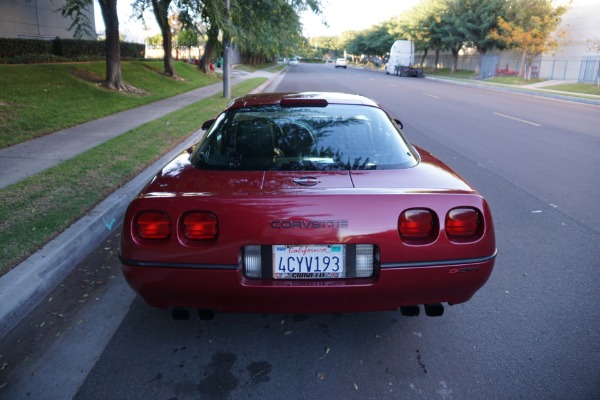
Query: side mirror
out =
(397, 121)
(208, 124)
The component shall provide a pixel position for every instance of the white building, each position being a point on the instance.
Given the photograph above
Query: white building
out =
(581, 23)
(36, 19)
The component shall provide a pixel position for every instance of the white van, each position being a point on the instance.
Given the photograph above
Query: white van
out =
(401, 60)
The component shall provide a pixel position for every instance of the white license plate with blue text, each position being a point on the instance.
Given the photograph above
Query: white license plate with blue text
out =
(309, 261)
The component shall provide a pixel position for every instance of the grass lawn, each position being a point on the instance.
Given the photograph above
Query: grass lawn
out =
(41, 98)
(446, 72)
(582, 88)
(514, 80)
(253, 68)
(37, 209)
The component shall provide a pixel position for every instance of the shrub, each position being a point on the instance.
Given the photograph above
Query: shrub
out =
(28, 51)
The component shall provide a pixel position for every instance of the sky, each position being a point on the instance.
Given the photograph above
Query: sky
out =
(352, 15)
(341, 16)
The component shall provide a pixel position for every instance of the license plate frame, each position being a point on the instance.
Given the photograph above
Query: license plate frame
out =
(315, 261)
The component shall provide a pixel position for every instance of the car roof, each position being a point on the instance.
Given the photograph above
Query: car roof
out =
(301, 98)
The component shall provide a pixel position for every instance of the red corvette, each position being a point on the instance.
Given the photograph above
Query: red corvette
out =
(307, 202)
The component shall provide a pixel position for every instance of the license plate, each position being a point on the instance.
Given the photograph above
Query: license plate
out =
(309, 261)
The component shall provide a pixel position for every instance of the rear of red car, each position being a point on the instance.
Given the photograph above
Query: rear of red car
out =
(319, 231)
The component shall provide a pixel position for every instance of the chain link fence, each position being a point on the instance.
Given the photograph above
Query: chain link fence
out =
(580, 69)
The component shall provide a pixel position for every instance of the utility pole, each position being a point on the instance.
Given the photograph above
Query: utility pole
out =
(226, 58)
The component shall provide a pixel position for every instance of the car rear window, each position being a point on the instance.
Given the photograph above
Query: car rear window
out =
(335, 137)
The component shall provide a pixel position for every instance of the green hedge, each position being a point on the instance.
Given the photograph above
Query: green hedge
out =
(27, 51)
(312, 60)
(19, 47)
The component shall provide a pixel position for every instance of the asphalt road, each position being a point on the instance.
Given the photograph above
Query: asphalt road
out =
(532, 332)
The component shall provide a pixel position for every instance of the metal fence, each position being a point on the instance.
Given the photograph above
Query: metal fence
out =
(579, 69)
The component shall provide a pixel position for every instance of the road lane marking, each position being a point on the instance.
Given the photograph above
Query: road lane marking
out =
(431, 95)
(517, 119)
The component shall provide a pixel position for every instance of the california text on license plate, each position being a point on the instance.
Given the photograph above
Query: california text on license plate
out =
(309, 261)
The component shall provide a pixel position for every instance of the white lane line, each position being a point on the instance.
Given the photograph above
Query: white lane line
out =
(517, 119)
(431, 95)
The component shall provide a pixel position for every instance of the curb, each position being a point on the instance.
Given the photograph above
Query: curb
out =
(26, 285)
(539, 92)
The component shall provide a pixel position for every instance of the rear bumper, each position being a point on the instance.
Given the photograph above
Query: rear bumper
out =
(227, 290)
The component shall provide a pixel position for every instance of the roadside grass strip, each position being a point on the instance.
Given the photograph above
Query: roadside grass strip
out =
(37, 209)
(43, 98)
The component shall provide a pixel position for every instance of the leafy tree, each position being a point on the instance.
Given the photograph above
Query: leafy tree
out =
(422, 25)
(529, 28)
(160, 9)
(264, 29)
(478, 18)
(449, 29)
(260, 27)
(154, 41)
(375, 41)
(331, 46)
(187, 38)
(213, 17)
(76, 10)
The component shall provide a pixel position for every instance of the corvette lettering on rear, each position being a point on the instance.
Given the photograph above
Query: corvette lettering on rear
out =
(311, 224)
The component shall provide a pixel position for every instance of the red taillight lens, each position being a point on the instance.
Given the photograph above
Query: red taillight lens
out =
(153, 225)
(464, 224)
(200, 226)
(418, 224)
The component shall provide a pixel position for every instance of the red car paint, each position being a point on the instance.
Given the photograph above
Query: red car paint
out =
(268, 207)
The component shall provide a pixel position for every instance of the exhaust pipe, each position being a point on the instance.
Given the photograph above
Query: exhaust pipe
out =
(180, 314)
(410, 311)
(206, 315)
(434, 310)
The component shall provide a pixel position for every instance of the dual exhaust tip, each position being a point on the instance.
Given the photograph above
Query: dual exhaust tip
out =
(431, 310)
(182, 314)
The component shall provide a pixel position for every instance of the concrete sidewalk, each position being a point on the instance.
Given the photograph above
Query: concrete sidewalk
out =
(22, 288)
(23, 160)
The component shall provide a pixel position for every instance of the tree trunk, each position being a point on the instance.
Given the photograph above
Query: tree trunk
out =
(454, 60)
(113, 46)
(437, 60)
(161, 13)
(209, 49)
(423, 58)
(522, 69)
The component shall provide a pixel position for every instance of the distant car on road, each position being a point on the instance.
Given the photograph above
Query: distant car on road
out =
(293, 61)
(306, 202)
(341, 63)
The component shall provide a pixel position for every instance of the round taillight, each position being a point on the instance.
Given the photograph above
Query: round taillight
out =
(464, 224)
(418, 225)
(152, 225)
(200, 225)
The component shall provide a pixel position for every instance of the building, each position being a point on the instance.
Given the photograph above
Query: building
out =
(574, 60)
(37, 19)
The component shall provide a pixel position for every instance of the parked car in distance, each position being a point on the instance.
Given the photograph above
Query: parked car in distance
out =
(341, 63)
(302, 203)
(293, 61)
